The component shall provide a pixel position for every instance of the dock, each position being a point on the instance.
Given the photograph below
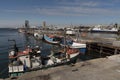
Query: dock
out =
(103, 49)
(96, 69)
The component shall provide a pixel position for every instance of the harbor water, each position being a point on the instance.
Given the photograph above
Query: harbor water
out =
(23, 40)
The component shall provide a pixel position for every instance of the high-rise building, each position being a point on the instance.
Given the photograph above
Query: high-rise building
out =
(27, 24)
(44, 24)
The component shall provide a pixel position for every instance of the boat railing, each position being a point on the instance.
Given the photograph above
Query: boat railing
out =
(19, 68)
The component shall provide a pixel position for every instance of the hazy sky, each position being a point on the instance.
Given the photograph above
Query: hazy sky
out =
(15, 12)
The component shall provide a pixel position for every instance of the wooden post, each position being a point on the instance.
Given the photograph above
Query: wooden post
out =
(88, 48)
(101, 50)
(115, 52)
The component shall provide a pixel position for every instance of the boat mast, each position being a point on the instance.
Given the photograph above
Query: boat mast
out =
(65, 39)
(77, 35)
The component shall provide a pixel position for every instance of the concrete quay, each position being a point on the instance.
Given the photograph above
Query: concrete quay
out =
(96, 69)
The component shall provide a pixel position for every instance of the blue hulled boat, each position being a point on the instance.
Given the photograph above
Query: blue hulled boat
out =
(51, 39)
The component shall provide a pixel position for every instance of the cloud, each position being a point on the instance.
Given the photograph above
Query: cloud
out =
(67, 11)
(18, 10)
(85, 3)
(88, 3)
(14, 11)
(92, 4)
(76, 11)
(72, 8)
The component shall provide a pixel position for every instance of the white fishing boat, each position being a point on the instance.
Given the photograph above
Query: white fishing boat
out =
(21, 30)
(70, 31)
(38, 35)
(22, 61)
(78, 45)
(60, 57)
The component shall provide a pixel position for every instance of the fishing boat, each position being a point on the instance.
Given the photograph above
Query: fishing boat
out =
(77, 44)
(21, 30)
(51, 39)
(80, 46)
(70, 31)
(16, 66)
(22, 61)
(72, 44)
(38, 36)
(70, 56)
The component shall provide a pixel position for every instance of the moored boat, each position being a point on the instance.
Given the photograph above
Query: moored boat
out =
(22, 61)
(70, 31)
(21, 30)
(80, 46)
(38, 36)
(51, 39)
(69, 56)
(72, 44)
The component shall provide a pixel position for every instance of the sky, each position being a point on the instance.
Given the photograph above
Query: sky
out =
(13, 13)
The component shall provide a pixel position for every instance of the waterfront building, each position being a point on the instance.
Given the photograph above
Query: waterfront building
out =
(44, 24)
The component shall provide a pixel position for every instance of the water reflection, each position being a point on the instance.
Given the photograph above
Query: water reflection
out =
(44, 47)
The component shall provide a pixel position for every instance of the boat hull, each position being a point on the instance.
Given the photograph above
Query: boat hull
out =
(73, 57)
(104, 31)
(78, 45)
(50, 40)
